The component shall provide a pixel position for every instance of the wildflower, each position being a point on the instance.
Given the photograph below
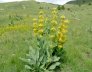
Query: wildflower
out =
(41, 17)
(54, 22)
(60, 46)
(41, 20)
(54, 16)
(62, 17)
(64, 30)
(40, 25)
(54, 12)
(35, 30)
(41, 31)
(41, 12)
(64, 26)
(66, 21)
(34, 25)
(53, 29)
(60, 34)
(60, 39)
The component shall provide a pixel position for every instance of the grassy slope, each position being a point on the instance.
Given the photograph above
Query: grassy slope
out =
(78, 47)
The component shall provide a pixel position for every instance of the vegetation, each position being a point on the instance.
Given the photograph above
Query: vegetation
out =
(15, 38)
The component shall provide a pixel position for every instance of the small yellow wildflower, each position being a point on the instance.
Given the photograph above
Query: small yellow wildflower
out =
(66, 21)
(41, 20)
(35, 30)
(41, 12)
(60, 46)
(60, 39)
(62, 17)
(40, 25)
(41, 17)
(54, 17)
(53, 29)
(54, 12)
(60, 34)
(41, 31)
(64, 30)
(64, 26)
(54, 22)
(34, 25)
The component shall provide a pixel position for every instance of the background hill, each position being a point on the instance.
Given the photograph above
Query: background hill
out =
(80, 1)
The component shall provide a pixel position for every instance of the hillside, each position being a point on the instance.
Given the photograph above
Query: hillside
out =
(15, 44)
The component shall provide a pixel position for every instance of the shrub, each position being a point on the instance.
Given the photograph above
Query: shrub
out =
(63, 7)
(59, 7)
(46, 51)
(89, 4)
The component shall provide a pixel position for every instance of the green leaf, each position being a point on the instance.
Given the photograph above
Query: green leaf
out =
(53, 66)
(55, 58)
(28, 67)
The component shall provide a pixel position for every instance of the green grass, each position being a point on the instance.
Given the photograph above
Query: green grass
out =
(15, 44)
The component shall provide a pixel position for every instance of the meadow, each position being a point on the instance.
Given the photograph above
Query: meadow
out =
(16, 37)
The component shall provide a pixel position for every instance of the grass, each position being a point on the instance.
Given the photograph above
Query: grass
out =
(15, 44)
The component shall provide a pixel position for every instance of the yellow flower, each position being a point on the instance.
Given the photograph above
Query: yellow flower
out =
(54, 22)
(41, 12)
(53, 29)
(64, 30)
(35, 30)
(60, 39)
(60, 34)
(54, 12)
(64, 26)
(41, 17)
(54, 17)
(41, 20)
(60, 46)
(40, 25)
(66, 21)
(35, 25)
(40, 31)
(62, 17)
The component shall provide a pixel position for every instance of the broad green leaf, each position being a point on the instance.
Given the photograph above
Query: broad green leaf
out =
(28, 67)
(55, 58)
(53, 66)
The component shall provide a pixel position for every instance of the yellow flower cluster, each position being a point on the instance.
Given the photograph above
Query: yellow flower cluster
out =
(53, 27)
(38, 26)
(35, 27)
(21, 27)
(41, 23)
(56, 32)
(53, 23)
(62, 32)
